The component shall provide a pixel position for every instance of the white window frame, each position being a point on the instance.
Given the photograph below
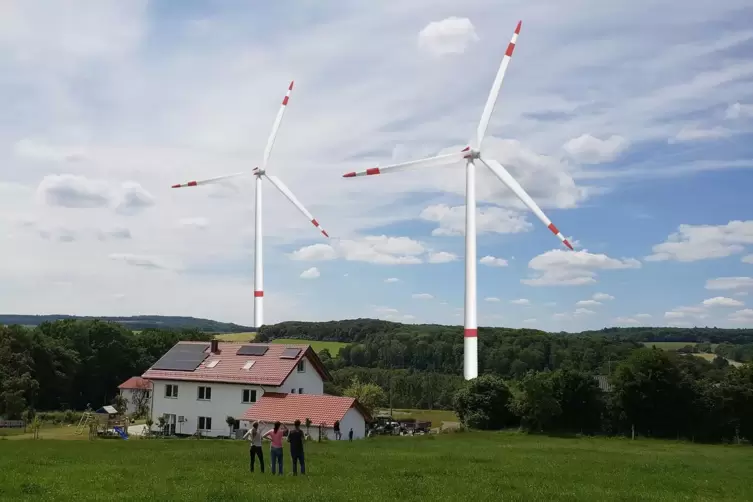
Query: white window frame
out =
(301, 365)
(207, 392)
(173, 388)
(251, 394)
(205, 428)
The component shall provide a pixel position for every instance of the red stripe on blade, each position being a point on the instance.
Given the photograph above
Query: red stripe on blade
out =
(258, 294)
(567, 243)
(316, 223)
(191, 184)
(285, 101)
(553, 229)
(349, 175)
(325, 233)
(517, 30)
(510, 48)
(175, 186)
(373, 170)
(470, 332)
(291, 85)
(465, 149)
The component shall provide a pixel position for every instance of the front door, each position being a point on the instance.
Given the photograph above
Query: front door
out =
(171, 421)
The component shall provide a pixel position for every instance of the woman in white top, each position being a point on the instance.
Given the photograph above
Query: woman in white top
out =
(254, 434)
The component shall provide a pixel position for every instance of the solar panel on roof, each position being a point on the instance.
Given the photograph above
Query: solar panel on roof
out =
(182, 357)
(252, 350)
(290, 353)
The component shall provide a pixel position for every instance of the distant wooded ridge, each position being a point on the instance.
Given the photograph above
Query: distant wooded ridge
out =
(352, 330)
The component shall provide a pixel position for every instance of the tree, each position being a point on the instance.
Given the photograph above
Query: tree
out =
(534, 401)
(120, 403)
(483, 403)
(369, 395)
(230, 421)
(580, 400)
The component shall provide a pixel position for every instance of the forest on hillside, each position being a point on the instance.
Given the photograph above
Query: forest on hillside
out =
(133, 322)
(70, 363)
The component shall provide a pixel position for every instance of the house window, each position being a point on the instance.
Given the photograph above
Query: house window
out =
(171, 391)
(205, 394)
(301, 366)
(292, 391)
(205, 423)
(300, 390)
(249, 396)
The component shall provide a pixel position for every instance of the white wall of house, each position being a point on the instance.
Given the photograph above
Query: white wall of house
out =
(128, 396)
(226, 399)
(352, 418)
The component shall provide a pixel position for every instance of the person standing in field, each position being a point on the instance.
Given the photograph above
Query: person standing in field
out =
(295, 439)
(338, 435)
(350, 434)
(255, 436)
(275, 452)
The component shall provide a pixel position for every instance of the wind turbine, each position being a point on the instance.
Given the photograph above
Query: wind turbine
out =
(471, 154)
(259, 173)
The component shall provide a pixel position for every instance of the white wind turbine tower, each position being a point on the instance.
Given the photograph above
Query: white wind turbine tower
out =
(259, 173)
(470, 154)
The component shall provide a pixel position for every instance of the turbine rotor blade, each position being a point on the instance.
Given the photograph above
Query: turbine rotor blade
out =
(513, 185)
(289, 195)
(207, 181)
(276, 126)
(492, 99)
(436, 161)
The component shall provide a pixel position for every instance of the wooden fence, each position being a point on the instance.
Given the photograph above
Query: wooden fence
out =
(15, 424)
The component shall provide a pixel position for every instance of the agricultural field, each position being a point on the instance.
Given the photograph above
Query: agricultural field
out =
(236, 337)
(449, 467)
(436, 417)
(333, 347)
(673, 345)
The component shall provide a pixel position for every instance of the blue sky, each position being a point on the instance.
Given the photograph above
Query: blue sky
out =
(630, 123)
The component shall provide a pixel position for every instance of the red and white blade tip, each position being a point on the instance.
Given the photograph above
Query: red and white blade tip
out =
(556, 232)
(517, 29)
(319, 227)
(290, 87)
(189, 184)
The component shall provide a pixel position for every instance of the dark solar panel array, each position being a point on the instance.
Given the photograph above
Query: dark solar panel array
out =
(290, 353)
(252, 350)
(183, 357)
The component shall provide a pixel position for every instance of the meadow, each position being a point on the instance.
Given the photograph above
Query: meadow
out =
(333, 347)
(449, 467)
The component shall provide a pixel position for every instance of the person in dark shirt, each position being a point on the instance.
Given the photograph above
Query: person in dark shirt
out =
(350, 434)
(338, 436)
(295, 438)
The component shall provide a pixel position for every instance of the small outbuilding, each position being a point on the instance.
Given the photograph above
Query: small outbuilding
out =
(322, 410)
(137, 393)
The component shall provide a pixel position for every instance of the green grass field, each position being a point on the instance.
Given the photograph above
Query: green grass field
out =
(333, 347)
(436, 417)
(452, 467)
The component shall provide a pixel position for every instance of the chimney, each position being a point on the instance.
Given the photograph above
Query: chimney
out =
(215, 347)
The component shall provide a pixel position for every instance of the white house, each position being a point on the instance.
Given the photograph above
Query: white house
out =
(197, 385)
(321, 410)
(137, 392)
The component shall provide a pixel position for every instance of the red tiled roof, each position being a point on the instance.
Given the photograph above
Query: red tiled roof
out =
(136, 383)
(321, 409)
(268, 369)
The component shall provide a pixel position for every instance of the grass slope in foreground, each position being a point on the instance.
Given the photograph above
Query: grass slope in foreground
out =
(471, 466)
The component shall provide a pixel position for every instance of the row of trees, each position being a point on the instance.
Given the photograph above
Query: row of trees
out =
(653, 393)
(69, 364)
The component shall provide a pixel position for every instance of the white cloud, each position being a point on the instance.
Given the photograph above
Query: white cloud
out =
(738, 110)
(587, 149)
(386, 310)
(310, 273)
(721, 301)
(490, 219)
(747, 258)
(114, 233)
(195, 222)
(602, 297)
(742, 316)
(699, 134)
(491, 261)
(79, 192)
(529, 321)
(149, 262)
(587, 303)
(492, 299)
(573, 268)
(392, 279)
(702, 242)
(452, 35)
(642, 316)
(379, 249)
(582, 312)
(422, 296)
(727, 283)
(442, 257)
(521, 301)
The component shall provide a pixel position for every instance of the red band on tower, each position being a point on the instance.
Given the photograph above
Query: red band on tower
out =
(470, 332)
